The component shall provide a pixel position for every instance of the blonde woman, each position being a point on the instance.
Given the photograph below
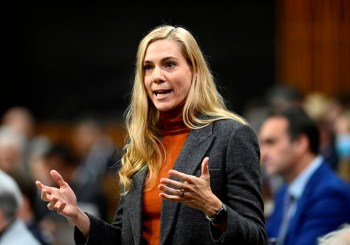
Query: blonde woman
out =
(190, 173)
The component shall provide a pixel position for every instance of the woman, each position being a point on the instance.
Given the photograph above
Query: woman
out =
(190, 172)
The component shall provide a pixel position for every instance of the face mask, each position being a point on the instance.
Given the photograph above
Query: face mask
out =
(342, 146)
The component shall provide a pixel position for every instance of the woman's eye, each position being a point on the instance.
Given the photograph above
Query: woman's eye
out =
(147, 67)
(170, 65)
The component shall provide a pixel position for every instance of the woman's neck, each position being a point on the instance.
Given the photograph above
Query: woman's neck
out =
(172, 120)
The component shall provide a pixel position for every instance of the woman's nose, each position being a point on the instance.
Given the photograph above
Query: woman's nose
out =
(158, 76)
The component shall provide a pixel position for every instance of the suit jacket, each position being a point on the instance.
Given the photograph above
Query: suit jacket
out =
(323, 207)
(235, 178)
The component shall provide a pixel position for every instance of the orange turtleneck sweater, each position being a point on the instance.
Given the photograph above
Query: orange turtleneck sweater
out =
(174, 134)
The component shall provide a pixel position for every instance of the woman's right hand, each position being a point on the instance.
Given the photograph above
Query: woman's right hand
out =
(62, 199)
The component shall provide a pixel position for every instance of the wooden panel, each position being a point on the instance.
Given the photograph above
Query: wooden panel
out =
(313, 45)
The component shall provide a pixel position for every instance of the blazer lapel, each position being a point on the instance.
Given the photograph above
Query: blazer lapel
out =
(133, 203)
(190, 157)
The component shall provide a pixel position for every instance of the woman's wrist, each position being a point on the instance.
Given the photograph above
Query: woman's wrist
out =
(81, 221)
(213, 207)
(220, 216)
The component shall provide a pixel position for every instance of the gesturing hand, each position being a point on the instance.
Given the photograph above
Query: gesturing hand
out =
(191, 190)
(62, 199)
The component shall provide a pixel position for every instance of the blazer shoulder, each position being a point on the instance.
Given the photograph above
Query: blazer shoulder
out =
(230, 123)
(231, 126)
(326, 181)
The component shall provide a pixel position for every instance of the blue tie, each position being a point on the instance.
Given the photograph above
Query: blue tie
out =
(288, 211)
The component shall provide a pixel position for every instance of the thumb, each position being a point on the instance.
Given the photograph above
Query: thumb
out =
(205, 168)
(58, 178)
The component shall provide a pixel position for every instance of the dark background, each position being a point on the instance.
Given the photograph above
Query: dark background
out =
(63, 60)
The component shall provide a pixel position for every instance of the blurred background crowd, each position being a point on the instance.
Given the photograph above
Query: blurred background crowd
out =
(86, 160)
(69, 70)
(87, 154)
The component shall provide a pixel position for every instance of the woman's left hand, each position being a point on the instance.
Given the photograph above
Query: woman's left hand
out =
(191, 190)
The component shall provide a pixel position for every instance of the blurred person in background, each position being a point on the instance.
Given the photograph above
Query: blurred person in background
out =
(342, 143)
(12, 145)
(63, 158)
(11, 151)
(20, 120)
(96, 153)
(325, 110)
(28, 211)
(333, 117)
(277, 97)
(12, 229)
(282, 96)
(59, 156)
(314, 200)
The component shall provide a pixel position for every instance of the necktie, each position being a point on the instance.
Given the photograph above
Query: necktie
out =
(288, 211)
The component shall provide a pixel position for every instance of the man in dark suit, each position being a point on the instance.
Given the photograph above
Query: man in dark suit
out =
(314, 200)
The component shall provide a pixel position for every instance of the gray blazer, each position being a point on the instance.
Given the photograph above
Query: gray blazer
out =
(235, 178)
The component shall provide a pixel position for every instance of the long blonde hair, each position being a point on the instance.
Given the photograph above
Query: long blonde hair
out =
(143, 148)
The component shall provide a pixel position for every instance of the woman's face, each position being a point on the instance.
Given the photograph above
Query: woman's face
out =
(167, 76)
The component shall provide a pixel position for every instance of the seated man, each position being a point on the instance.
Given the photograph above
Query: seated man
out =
(314, 200)
(12, 229)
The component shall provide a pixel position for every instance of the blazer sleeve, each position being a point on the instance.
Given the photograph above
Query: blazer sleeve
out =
(102, 232)
(245, 216)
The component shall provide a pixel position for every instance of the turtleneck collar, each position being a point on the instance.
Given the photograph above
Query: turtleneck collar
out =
(172, 122)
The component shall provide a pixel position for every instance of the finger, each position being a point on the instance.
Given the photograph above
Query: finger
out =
(57, 178)
(61, 207)
(181, 176)
(45, 190)
(45, 195)
(205, 168)
(49, 206)
(53, 203)
(176, 197)
(170, 191)
(172, 183)
(39, 185)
